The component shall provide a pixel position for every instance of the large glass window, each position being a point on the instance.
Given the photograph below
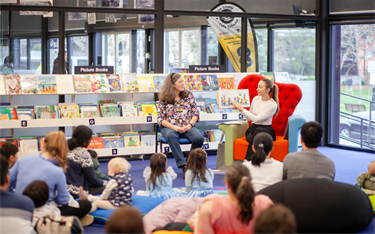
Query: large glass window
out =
(79, 52)
(262, 40)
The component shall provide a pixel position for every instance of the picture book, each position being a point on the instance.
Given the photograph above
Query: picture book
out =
(226, 96)
(210, 82)
(148, 139)
(28, 145)
(146, 84)
(113, 142)
(216, 109)
(4, 140)
(110, 110)
(5, 114)
(201, 105)
(47, 84)
(96, 143)
(106, 102)
(89, 111)
(114, 83)
(129, 109)
(70, 112)
(149, 109)
(268, 75)
(282, 77)
(12, 84)
(192, 78)
(238, 77)
(129, 82)
(158, 82)
(226, 83)
(216, 135)
(99, 83)
(29, 84)
(82, 83)
(131, 141)
(25, 113)
(45, 112)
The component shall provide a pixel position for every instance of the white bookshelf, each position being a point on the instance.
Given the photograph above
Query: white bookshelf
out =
(186, 147)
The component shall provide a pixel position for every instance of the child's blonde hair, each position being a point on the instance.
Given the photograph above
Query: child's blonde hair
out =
(119, 165)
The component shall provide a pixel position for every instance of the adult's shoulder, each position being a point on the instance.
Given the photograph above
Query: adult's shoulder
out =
(12, 200)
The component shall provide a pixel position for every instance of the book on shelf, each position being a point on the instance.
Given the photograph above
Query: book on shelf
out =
(148, 109)
(47, 84)
(225, 97)
(45, 112)
(82, 83)
(109, 110)
(12, 84)
(106, 102)
(105, 134)
(128, 109)
(131, 140)
(96, 143)
(7, 113)
(99, 83)
(201, 106)
(148, 139)
(282, 77)
(210, 82)
(238, 77)
(28, 145)
(226, 83)
(268, 75)
(146, 84)
(193, 82)
(88, 110)
(129, 82)
(10, 139)
(29, 84)
(114, 83)
(70, 111)
(113, 142)
(25, 112)
(159, 82)
(216, 133)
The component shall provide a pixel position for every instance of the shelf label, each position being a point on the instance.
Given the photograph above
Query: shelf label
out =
(240, 116)
(92, 121)
(23, 123)
(206, 146)
(225, 116)
(149, 119)
(166, 149)
(114, 152)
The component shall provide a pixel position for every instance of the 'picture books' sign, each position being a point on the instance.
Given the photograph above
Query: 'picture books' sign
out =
(93, 69)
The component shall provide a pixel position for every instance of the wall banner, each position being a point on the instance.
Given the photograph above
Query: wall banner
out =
(228, 32)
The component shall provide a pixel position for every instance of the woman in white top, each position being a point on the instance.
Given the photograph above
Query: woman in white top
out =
(262, 109)
(264, 170)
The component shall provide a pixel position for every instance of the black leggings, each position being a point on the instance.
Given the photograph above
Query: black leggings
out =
(84, 209)
(252, 131)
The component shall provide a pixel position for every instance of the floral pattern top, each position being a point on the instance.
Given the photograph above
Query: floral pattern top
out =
(179, 113)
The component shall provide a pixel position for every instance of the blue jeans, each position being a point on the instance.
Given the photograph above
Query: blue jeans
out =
(194, 136)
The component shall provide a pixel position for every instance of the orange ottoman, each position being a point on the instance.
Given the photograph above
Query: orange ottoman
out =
(240, 148)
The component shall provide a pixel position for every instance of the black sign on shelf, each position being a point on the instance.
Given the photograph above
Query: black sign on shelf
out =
(206, 68)
(240, 116)
(24, 123)
(93, 69)
(92, 121)
(166, 149)
(206, 146)
(114, 152)
(149, 119)
(225, 116)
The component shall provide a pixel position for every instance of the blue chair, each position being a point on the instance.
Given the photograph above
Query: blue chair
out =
(162, 140)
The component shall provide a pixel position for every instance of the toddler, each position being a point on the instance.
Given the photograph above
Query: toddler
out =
(366, 180)
(96, 163)
(119, 189)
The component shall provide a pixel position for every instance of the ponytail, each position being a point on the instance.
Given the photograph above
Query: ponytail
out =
(56, 146)
(275, 96)
(81, 137)
(263, 144)
(238, 177)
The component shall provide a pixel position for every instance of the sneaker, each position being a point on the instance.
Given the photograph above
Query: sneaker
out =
(87, 220)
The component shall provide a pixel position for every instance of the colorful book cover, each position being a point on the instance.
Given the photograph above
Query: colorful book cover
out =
(216, 135)
(148, 139)
(114, 83)
(225, 98)
(99, 83)
(45, 112)
(106, 102)
(226, 83)
(25, 114)
(146, 84)
(210, 82)
(282, 77)
(4, 140)
(70, 112)
(89, 111)
(29, 84)
(5, 114)
(193, 82)
(216, 109)
(108, 110)
(113, 142)
(28, 145)
(47, 84)
(268, 75)
(129, 82)
(129, 109)
(82, 83)
(158, 82)
(131, 141)
(192, 78)
(238, 77)
(149, 109)
(12, 84)
(96, 143)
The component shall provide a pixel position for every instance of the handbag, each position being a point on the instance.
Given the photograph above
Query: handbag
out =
(220, 155)
(59, 225)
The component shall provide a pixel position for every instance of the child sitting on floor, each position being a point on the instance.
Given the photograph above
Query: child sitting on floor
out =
(96, 163)
(198, 178)
(159, 180)
(366, 180)
(119, 189)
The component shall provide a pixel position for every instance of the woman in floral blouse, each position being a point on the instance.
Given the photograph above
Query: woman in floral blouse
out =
(177, 115)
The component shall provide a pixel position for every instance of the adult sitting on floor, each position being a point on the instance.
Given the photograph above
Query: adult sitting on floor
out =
(309, 163)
